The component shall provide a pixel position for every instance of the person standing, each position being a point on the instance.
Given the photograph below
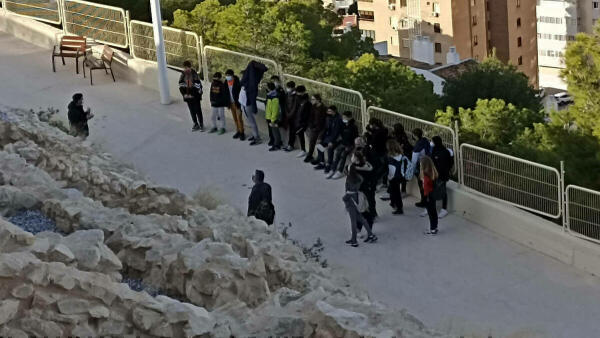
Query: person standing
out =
(316, 125)
(301, 118)
(190, 88)
(444, 161)
(367, 171)
(422, 148)
(251, 77)
(397, 168)
(331, 137)
(273, 116)
(78, 117)
(407, 148)
(260, 203)
(429, 176)
(345, 147)
(234, 87)
(219, 99)
(352, 201)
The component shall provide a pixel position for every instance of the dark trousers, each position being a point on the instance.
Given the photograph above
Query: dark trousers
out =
(339, 158)
(395, 194)
(369, 191)
(432, 212)
(274, 135)
(357, 221)
(330, 153)
(421, 191)
(196, 112)
(313, 137)
(404, 182)
(294, 131)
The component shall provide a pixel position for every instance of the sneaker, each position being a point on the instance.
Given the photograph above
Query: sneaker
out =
(420, 204)
(288, 149)
(255, 142)
(337, 175)
(274, 148)
(320, 166)
(251, 138)
(202, 129)
(242, 137)
(423, 214)
(213, 130)
(308, 159)
(371, 239)
(385, 197)
(301, 154)
(270, 144)
(327, 169)
(398, 212)
(443, 213)
(431, 232)
(329, 175)
(222, 131)
(236, 135)
(195, 127)
(352, 243)
(315, 162)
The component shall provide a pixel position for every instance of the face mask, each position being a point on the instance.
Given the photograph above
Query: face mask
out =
(289, 90)
(277, 83)
(345, 120)
(431, 144)
(229, 78)
(313, 101)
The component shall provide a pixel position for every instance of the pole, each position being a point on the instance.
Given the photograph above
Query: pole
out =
(161, 59)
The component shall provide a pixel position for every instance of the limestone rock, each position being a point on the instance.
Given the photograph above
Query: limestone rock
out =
(71, 306)
(8, 310)
(22, 291)
(40, 328)
(99, 311)
(144, 318)
(61, 253)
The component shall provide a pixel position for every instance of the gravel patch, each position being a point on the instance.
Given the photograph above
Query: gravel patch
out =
(33, 221)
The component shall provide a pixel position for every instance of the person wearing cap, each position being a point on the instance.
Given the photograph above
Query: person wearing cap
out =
(234, 86)
(260, 198)
(78, 117)
(345, 147)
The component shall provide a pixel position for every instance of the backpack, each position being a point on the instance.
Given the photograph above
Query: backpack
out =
(265, 212)
(363, 204)
(401, 166)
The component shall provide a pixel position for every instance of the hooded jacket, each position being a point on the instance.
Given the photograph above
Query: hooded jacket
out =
(318, 115)
(219, 94)
(302, 111)
(349, 133)
(191, 85)
(273, 109)
(333, 128)
(443, 161)
(253, 74)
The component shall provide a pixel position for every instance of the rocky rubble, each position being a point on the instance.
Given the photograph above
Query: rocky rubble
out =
(221, 273)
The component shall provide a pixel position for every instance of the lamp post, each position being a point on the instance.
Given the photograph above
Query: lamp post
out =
(163, 83)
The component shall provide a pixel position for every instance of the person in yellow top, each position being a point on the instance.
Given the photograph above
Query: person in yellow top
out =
(273, 116)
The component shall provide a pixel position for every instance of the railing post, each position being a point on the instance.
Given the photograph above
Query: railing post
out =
(205, 63)
(457, 153)
(128, 38)
(365, 114)
(563, 194)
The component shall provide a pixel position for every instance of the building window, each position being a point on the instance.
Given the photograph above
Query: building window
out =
(595, 5)
(518, 22)
(436, 9)
(474, 20)
(520, 60)
(437, 28)
(475, 40)
(472, 3)
(518, 3)
(368, 33)
(406, 43)
(366, 15)
(403, 3)
(519, 42)
(438, 47)
(391, 2)
(394, 40)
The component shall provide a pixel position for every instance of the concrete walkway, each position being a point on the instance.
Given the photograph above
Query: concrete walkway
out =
(466, 281)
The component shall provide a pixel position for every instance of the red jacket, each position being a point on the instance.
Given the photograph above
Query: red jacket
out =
(427, 185)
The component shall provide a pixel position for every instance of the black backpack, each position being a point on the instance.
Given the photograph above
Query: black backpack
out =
(401, 166)
(265, 211)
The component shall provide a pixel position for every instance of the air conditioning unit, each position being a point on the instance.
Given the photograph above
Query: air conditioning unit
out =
(435, 14)
(392, 7)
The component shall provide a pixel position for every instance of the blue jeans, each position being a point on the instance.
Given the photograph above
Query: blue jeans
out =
(250, 113)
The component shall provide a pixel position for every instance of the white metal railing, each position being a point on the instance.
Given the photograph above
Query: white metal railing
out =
(410, 123)
(525, 184)
(343, 98)
(217, 59)
(42, 10)
(582, 208)
(180, 45)
(105, 24)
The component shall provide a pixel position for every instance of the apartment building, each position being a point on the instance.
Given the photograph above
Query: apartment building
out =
(558, 21)
(432, 31)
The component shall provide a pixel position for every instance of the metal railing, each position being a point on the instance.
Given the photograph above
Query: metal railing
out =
(180, 45)
(42, 10)
(410, 123)
(219, 60)
(343, 98)
(105, 24)
(525, 184)
(582, 208)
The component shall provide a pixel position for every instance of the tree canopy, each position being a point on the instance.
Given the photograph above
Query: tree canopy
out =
(491, 79)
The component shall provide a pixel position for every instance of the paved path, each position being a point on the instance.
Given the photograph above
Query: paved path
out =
(467, 280)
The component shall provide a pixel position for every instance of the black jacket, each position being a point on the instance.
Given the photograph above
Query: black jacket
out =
(289, 105)
(318, 115)
(443, 162)
(194, 88)
(377, 138)
(219, 94)
(302, 110)
(235, 90)
(333, 129)
(405, 143)
(253, 74)
(76, 114)
(260, 192)
(349, 133)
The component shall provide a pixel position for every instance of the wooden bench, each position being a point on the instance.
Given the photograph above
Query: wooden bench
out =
(70, 47)
(105, 62)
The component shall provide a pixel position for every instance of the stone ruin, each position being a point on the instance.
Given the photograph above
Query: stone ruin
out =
(129, 257)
